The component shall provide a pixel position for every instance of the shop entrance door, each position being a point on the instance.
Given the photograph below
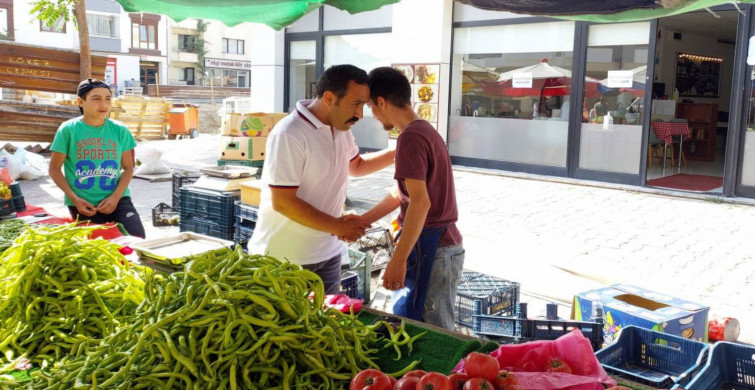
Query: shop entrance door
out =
(148, 74)
(692, 89)
(302, 72)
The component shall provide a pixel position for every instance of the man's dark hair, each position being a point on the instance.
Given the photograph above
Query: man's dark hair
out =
(391, 85)
(336, 79)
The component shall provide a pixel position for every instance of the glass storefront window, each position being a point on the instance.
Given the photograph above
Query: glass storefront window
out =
(748, 160)
(230, 77)
(301, 71)
(367, 51)
(614, 90)
(510, 92)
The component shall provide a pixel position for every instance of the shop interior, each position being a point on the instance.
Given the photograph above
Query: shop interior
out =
(691, 99)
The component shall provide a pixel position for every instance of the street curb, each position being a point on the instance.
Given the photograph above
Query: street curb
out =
(611, 186)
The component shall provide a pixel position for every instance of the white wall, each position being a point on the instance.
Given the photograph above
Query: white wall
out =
(28, 32)
(215, 33)
(701, 45)
(128, 68)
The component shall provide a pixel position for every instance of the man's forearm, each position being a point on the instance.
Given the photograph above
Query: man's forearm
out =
(303, 213)
(389, 203)
(375, 161)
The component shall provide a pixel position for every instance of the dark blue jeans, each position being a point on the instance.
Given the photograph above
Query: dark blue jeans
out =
(125, 214)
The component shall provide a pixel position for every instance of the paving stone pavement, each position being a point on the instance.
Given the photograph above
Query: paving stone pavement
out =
(555, 238)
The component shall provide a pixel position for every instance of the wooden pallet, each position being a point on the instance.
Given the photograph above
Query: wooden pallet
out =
(31, 122)
(146, 118)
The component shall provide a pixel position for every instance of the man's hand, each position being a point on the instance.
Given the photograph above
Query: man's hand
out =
(352, 227)
(108, 205)
(84, 208)
(395, 273)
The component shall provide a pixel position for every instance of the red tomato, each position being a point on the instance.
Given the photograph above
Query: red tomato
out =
(416, 373)
(406, 383)
(434, 381)
(458, 380)
(393, 381)
(480, 365)
(505, 378)
(558, 365)
(370, 379)
(478, 384)
(513, 387)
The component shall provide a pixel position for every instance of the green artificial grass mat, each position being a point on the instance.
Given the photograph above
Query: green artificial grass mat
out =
(437, 351)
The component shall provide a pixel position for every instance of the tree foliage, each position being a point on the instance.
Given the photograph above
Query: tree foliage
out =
(50, 11)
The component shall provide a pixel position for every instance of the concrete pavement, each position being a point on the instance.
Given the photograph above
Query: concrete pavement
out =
(555, 238)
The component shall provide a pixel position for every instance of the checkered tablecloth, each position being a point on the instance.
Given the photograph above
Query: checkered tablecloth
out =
(664, 130)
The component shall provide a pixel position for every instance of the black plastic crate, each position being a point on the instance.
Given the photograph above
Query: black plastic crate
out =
(181, 179)
(729, 366)
(15, 189)
(246, 213)
(242, 233)
(18, 203)
(523, 329)
(213, 206)
(245, 163)
(203, 226)
(376, 243)
(496, 296)
(6, 207)
(164, 215)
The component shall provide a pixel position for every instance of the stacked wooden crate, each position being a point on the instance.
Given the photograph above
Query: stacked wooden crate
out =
(146, 118)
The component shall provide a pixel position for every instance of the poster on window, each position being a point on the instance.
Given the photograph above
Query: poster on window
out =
(111, 71)
(424, 80)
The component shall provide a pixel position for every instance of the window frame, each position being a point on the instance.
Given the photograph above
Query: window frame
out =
(114, 21)
(226, 45)
(151, 23)
(7, 5)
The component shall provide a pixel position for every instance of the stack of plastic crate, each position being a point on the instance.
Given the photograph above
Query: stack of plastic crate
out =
(246, 220)
(496, 296)
(207, 212)
(181, 179)
(356, 281)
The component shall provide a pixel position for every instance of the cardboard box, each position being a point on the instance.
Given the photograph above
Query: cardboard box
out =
(243, 148)
(629, 305)
(251, 191)
(257, 124)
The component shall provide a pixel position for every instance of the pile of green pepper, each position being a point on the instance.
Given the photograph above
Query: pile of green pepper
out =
(9, 230)
(241, 321)
(60, 291)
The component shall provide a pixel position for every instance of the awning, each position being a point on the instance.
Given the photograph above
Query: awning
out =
(599, 10)
(274, 13)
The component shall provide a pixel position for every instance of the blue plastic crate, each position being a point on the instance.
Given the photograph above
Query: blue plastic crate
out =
(18, 203)
(242, 233)
(203, 226)
(214, 206)
(730, 366)
(497, 297)
(246, 213)
(350, 284)
(181, 179)
(655, 359)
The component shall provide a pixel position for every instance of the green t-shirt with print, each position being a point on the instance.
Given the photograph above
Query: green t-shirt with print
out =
(93, 157)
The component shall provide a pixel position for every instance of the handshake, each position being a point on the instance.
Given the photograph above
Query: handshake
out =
(350, 227)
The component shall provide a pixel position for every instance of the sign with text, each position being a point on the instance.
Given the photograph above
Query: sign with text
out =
(619, 79)
(227, 64)
(111, 72)
(42, 69)
(521, 80)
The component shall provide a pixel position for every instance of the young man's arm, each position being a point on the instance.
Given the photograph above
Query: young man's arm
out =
(286, 202)
(371, 162)
(388, 204)
(414, 222)
(56, 173)
(109, 204)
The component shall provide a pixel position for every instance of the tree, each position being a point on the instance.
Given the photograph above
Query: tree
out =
(50, 11)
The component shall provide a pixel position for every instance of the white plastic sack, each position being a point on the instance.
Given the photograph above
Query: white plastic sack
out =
(10, 161)
(33, 166)
(151, 164)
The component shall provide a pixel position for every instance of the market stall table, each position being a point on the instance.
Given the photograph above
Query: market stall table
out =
(664, 131)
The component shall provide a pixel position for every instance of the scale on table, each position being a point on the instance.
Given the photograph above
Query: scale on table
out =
(226, 177)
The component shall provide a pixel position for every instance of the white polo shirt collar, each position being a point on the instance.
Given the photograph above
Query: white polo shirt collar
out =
(307, 116)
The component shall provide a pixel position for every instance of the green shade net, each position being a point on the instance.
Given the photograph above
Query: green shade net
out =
(274, 13)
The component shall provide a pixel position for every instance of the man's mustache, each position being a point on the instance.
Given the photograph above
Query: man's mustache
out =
(353, 120)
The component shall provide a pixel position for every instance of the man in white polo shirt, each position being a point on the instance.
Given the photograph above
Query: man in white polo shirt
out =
(309, 156)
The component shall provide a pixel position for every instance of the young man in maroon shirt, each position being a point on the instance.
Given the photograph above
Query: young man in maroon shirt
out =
(427, 263)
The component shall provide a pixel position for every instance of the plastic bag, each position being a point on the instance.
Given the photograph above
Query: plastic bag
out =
(33, 166)
(529, 360)
(10, 162)
(151, 164)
